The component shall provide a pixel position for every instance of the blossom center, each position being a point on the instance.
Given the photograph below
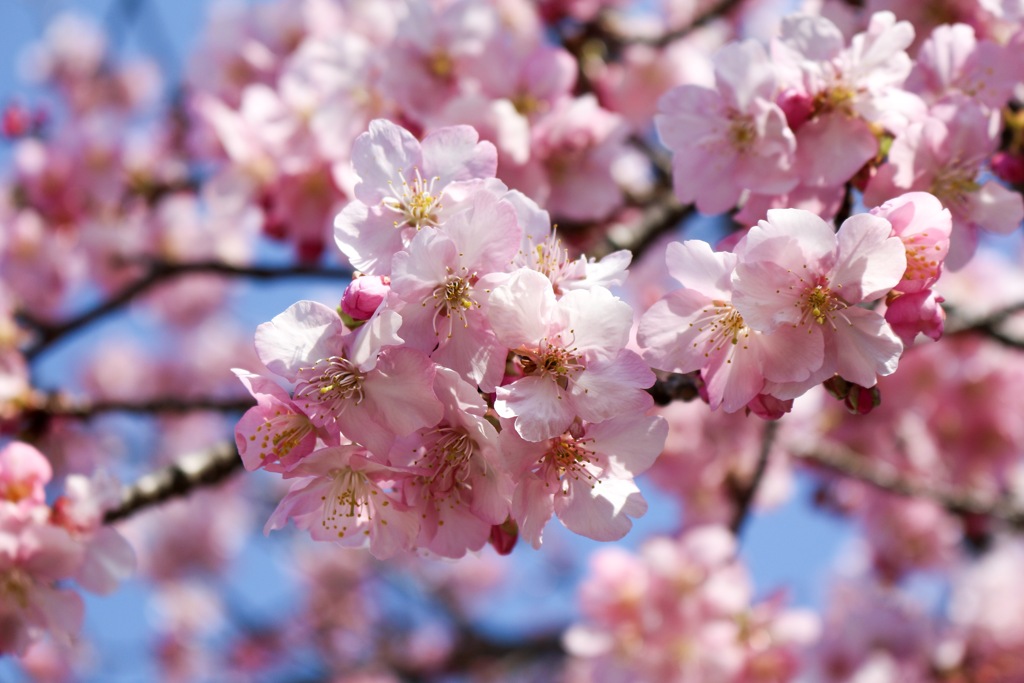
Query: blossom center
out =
(556, 362)
(838, 98)
(347, 502)
(328, 387)
(282, 433)
(16, 584)
(16, 491)
(921, 259)
(552, 259)
(568, 459)
(416, 204)
(449, 457)
(742, 133)
(725, 327)
(819, 302)
(953, 184)
(453, 298)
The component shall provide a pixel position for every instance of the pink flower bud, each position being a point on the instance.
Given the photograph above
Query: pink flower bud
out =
(797, 106)
(15, 121)
(917, 312)
(504, 536)
(365, 295)
(862, 400)
(1009, 167)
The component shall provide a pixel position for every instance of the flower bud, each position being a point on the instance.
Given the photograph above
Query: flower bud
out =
(1009, 167)
(504, 536)
(365, 295)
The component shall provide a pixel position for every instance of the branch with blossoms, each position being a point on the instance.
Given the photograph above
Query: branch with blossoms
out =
(989, 325)
(178, 479)
(481, 377)
(837, 458)
(157, 272)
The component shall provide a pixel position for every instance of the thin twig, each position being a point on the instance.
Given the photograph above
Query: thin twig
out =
(159, 272)
(745, 496)
(663, 215)
(719, 10)
(186, 475)
(58, 405)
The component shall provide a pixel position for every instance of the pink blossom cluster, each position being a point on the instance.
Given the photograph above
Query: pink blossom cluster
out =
(881, 631)
(784, 310)
(948, 425)
(475, 379)
(43, 546)
(683, 610)
(282, 89)
(98, 186)
(795, 124)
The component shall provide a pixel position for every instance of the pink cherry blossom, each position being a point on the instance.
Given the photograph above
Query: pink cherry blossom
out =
(24, 472)
(274, 434)
(943, 155)
(571, 353)
(34, 556)
(699, 328)
(924, 227)
(388, 395)
(437, 286)
(401, 187)
(461, 486)
(585, 478)
(341, 495)
(792, 270)
(852, 87)
(729, 139)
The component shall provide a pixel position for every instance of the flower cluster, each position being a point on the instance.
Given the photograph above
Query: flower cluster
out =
(682, 610)
(783, 311)
(475, 378)
(793, 125)
(283, 110)
(43, 546)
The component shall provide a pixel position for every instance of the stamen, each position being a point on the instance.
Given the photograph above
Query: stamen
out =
(329, 387)
(417, 205)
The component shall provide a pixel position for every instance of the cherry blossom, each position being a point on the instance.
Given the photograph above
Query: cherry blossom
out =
(813, 283)
(571, 353)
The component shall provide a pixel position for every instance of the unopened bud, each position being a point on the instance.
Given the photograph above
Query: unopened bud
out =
(1009, 167)
(504, 536)
(365, 295)
(862, 400)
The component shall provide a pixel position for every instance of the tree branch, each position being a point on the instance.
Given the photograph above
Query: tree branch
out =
(674, 386)
(662, 215)
(58, 405)
(745, 496)
(988, 325)
(187, 474)
(50, 332)
(846, 462)
(719, 10)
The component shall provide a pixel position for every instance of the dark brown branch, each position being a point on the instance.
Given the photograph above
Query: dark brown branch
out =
(50, 332)
(661, 216)
(744, 497)
(848, 463)
(719, 10)
(674, 386)
(187, 474)
(57, 405)
(988, 325)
